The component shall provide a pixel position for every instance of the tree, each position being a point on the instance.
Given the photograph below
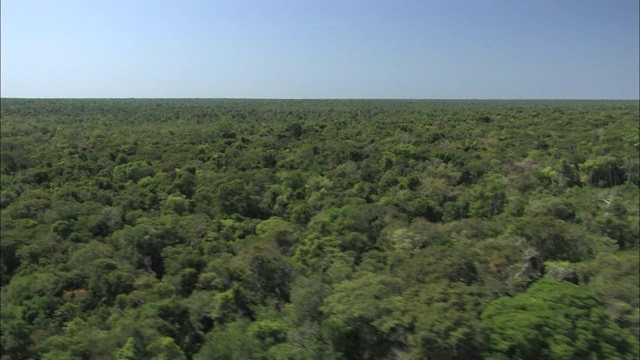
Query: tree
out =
(555, 239)
(361, 315)
(165, 348)
(443, 318)
(603, 171)
(615, 278)
(555, 320)
(133, 171)
(107, 280)
(230, 343)
(238, 197)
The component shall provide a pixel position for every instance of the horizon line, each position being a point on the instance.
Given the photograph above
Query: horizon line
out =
(321, 99)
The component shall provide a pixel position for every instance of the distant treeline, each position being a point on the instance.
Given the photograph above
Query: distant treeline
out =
(319, 229)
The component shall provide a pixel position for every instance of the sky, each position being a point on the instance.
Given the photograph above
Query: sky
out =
(394, 49)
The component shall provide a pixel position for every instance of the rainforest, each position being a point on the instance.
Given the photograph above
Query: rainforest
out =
(319, 229)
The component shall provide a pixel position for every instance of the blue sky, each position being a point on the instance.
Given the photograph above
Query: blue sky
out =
(481, 49)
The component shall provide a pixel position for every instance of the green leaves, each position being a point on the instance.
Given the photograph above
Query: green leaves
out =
(238, 197)
(107, 280)
(555, 320)
(557, 240)
(133, 171)
(443, 317)
(255, 229)
(615, 278)
(367, 299)
(230, 343)
(361, 313)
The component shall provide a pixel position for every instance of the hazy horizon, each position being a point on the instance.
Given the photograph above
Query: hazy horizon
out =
(359, 50)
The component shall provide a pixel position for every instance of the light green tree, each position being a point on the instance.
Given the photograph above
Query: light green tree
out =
(555, 320)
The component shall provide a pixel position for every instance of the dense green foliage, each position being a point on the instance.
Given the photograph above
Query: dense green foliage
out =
(324, 229)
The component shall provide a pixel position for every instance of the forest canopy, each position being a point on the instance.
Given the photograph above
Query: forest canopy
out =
(319, 229)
